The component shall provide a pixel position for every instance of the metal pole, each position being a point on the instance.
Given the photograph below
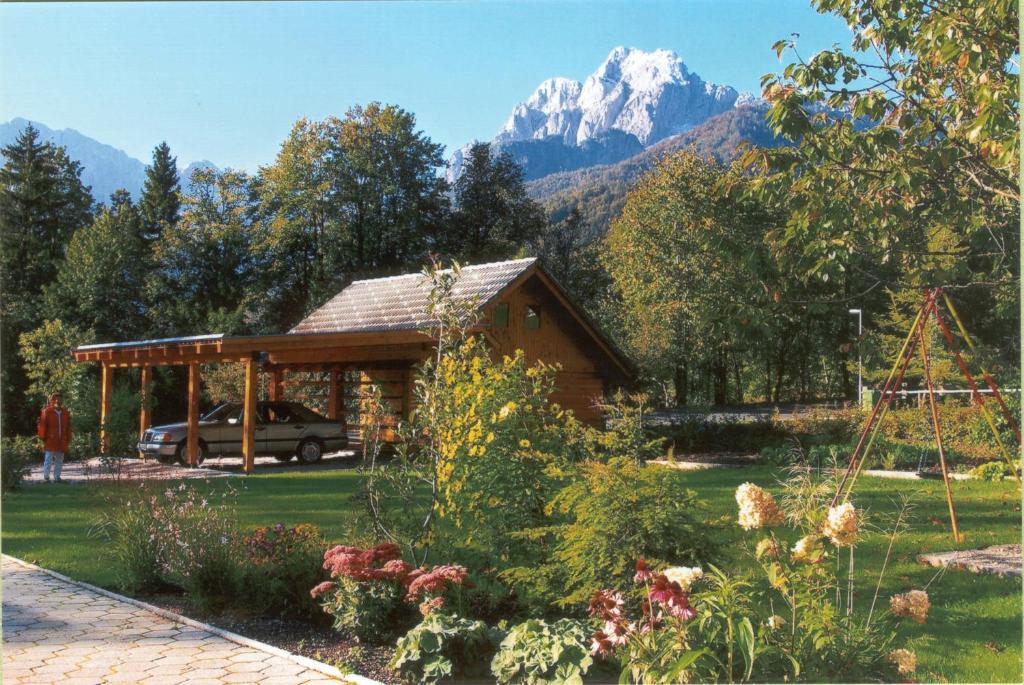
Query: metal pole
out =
(860, 363)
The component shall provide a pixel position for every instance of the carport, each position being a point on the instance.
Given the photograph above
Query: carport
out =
(384, 357)
(376, 327)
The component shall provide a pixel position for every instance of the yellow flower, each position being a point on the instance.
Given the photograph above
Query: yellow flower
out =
(775, 622)
(490, 438)
(769, 547)
(524, 443)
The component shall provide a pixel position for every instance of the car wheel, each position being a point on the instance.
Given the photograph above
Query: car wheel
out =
(284, 457)
(310, 451)
(182, 454)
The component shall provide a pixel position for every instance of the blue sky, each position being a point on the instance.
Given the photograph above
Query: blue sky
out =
(225, 81)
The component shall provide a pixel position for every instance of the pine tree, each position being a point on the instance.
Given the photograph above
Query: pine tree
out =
(494, 217)
(161, 193)
(42, 204)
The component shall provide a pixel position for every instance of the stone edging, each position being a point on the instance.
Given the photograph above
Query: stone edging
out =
(303, 661)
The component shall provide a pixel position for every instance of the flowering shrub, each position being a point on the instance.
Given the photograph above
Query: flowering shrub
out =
(537, 653)
(281, 564)
(129, 529)
(617, 512)
(373, 591)
(198, 545)
(443, 647)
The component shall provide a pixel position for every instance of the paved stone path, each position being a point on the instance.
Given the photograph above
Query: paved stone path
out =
(1002, 560)
(55, 631)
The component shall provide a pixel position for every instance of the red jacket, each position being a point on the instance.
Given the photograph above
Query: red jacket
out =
(54, 430)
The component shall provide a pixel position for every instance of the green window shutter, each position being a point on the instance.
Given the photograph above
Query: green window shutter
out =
(499, 316)
(532, 317)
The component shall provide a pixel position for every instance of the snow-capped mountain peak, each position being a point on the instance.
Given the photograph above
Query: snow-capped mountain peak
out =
(649, 95)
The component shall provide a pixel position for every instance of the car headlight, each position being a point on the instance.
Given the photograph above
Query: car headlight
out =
(163, 437)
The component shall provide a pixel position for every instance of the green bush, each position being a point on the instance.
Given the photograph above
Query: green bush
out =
(608, 516)
(538, 653)
(282, 565)
(991, 471)
(199, 546)
(16, 457)
(130, 529)
(443, 647)
(371, 612)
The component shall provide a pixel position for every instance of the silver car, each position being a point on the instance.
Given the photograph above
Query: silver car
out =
(283, 429)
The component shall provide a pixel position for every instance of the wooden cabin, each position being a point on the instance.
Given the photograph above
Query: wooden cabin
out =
(374, 331)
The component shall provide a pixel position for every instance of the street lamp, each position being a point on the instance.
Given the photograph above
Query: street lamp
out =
(860, 375)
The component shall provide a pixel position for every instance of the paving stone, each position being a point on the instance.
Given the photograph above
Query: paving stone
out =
(58, 632)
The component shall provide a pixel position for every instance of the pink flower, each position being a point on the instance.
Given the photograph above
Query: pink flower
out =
(643, 572)
(600, 644)
(617, 632)
(606, 605)
(320, 589)
(435, 581)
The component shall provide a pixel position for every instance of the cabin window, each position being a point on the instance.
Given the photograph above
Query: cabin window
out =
(532, 317)
(499, 316)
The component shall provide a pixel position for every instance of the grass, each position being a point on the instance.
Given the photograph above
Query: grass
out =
(973, 633)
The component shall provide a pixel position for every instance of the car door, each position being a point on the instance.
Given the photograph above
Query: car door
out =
(284, 429)
(231, 432)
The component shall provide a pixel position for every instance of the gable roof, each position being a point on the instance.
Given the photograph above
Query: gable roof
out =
(400, 303)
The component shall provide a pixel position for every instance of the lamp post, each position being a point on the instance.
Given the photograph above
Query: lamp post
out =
(860, 375)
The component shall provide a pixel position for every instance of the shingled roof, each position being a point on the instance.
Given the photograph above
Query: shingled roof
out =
(399, 303)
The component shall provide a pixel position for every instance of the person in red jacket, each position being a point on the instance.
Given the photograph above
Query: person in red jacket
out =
(55, 431)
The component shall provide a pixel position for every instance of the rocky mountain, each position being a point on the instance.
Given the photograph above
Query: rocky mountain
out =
(634, 100)
(600, 191)
(104, 167)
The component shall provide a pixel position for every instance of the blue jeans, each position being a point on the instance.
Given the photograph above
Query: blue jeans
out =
(54, 458)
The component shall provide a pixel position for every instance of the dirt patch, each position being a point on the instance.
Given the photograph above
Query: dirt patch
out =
(316, 641)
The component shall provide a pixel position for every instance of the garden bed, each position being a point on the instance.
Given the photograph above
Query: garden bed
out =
(316, 641)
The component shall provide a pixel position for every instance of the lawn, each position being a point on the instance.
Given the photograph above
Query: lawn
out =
(973, 633)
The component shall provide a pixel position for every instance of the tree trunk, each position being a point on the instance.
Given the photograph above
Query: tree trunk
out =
(737, 378)
(681, 382)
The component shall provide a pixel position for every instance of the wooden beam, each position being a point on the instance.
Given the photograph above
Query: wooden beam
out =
(276, 388)
(394, 353)
(193, 413)
(334, 396)
(106, 390)
(145, 411)
(249, 417)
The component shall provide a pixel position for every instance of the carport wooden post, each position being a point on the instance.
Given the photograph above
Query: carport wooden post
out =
(106, 387)
(145, 414)
(193, 413)
(249, 416)
(275, 391)
(335, 396)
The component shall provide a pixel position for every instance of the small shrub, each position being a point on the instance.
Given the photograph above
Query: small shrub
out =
(282, 564)
(16, 459)
(130, 530)
(615, 513)
(443, 647)
(990, 471)
(538, 653)
(199, 546)
(373, 592)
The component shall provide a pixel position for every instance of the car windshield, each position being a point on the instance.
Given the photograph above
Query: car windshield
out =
(224, 412)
